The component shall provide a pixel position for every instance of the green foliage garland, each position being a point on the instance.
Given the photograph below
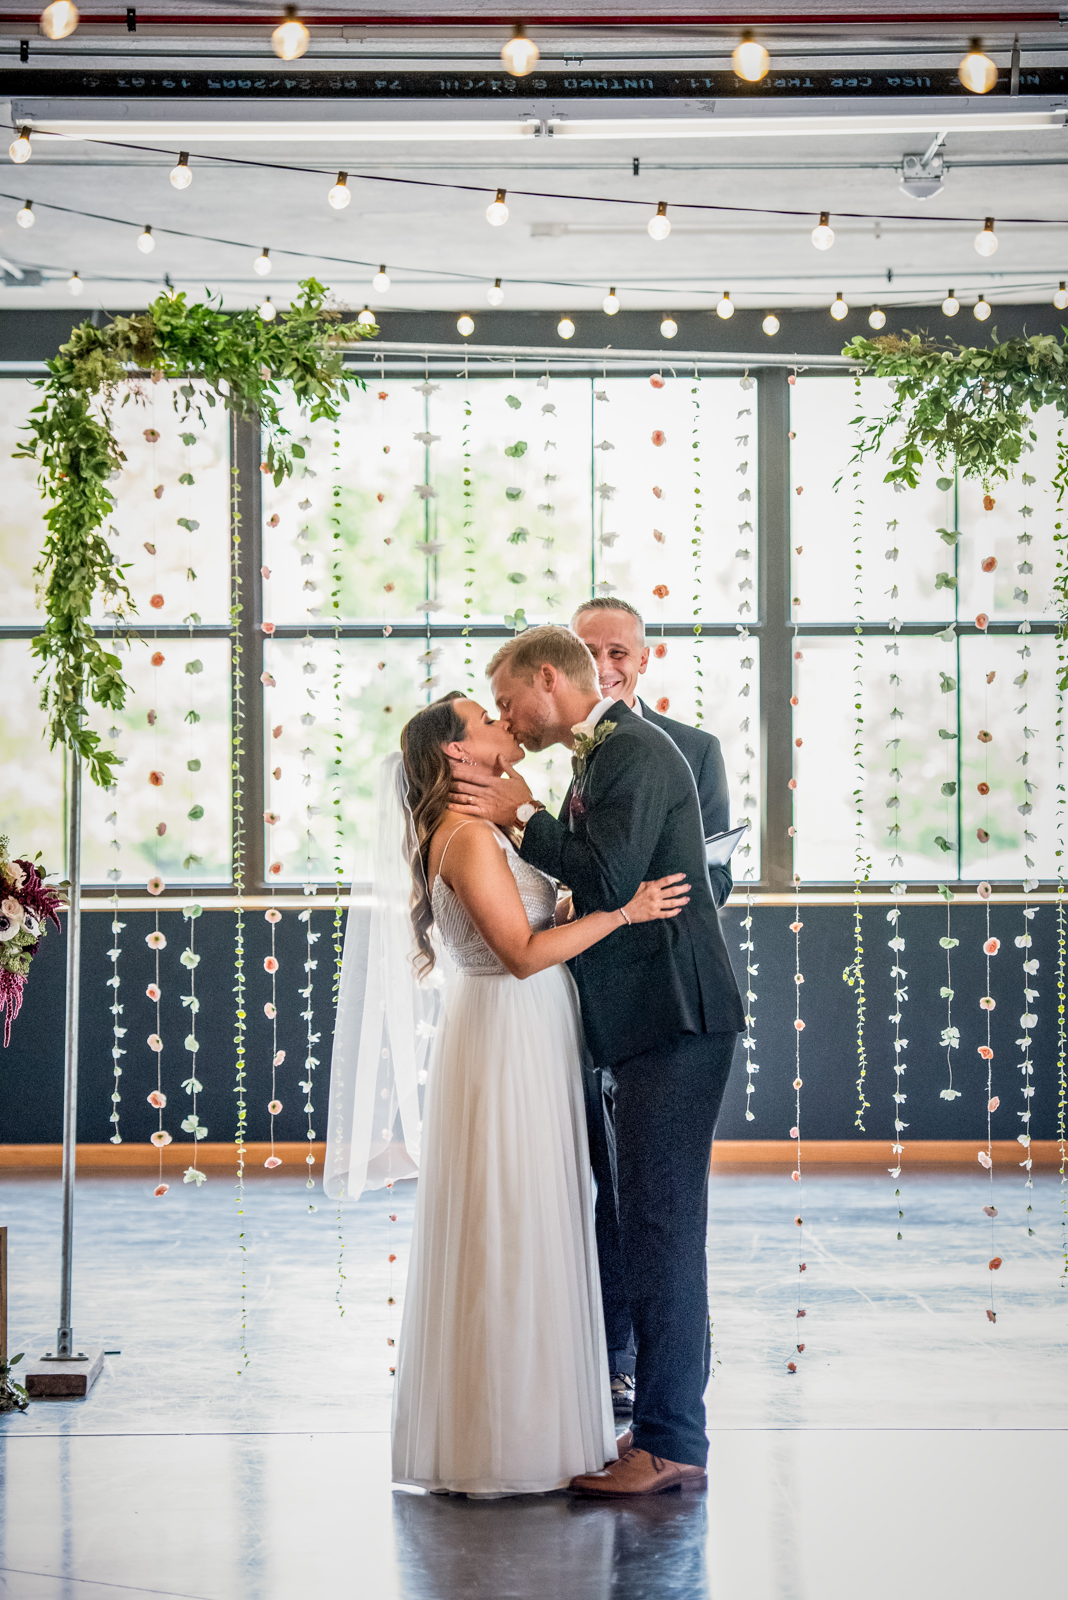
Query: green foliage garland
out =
(241, 360)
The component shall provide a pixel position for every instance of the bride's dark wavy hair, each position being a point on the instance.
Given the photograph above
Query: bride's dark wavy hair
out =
(429, 775)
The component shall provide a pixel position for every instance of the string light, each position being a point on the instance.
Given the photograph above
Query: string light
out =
(465, 325)
(876, 317)
(981, 309)
(749, 59)
(659, 225)
(380, 281)
(495, 296)
(340, 194)
(951, 305)
(291, 38)
(823, 233)
(725, 307)
(497, 211)
(145, 242)
(20, 149)
(566, 328)
(839, 310)
(267, 311)
(26, 219)
(668, 328)
(75, 284)
(977, 72)
(1060, 299)
(262, 264)
(987, 241)
(520, 54)
(59, 19)
(181, 177)
(610, 303)
(366, 318)
(770, 324)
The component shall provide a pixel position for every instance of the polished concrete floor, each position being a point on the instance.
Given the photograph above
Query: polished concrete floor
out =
(920, 1448)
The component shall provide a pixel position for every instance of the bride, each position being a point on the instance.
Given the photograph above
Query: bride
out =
(502, 1377)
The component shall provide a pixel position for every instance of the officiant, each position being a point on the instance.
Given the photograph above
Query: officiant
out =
(614, 632)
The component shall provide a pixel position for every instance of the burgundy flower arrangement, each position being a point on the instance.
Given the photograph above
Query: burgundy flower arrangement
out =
(26, 905)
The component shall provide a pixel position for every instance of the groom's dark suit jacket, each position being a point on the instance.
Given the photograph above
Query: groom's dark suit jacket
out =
(705, 758)
(633, 813)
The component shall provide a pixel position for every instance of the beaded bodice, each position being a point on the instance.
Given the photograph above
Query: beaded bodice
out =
(458, 933)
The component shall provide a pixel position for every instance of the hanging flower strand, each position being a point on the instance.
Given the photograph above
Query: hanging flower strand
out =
(854, 973)
(986, 1158)
(237, 737)
(950, 1039)
(156, 942)
(311, 1040)
(192, 1085)
(270, 965)
(1060, 538)
(901, 994)
(1028, 1020)
(795, 1131)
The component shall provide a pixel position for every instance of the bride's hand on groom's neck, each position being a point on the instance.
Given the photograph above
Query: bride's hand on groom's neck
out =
(478, 793)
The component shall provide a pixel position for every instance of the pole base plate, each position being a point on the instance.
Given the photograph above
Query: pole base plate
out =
(52, 1379)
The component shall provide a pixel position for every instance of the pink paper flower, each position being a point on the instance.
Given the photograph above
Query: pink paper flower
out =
(986, 1052)
(156, 940)
(271, 817)
(274, 1107)
(994, 1264)
(991, 947)
(273, 520)
(156, 779)
(160, 1138)
(268, 680)
(993, 1104)
(273, 1161)
(984, 1159)
(662, 704)
(151, 436)
(270, 964)
(279, 1057)
(660, 652)
(795, 927)
(276, 732)
(153, 991)
(155, 1042)
(155, 885)
(656, 381)
(796, 1176)
(275, 868)
(990, 1211)
(273, 915)
(659, 436)
(987, 1002)
(157, 1100)
(799, 1025)
(798, 1083)
(984, 890)
(270, 1011)
(267, 628)
(161, 1188)
(794, 1133)
(158, 658)
(265, 572)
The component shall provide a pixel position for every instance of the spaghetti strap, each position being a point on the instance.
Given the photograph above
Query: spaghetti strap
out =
(452, 836)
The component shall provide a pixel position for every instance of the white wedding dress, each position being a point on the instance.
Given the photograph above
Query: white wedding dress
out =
(502, 1373)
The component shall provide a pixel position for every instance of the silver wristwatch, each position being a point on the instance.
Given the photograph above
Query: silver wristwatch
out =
(526, 811)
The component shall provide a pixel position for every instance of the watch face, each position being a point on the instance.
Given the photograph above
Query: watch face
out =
(525, 812)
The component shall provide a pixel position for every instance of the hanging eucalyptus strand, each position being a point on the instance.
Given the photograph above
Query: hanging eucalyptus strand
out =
(854, 974)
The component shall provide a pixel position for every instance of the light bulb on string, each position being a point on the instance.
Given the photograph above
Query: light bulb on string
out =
(267, 311)
(977, 72)
(770, 324)
(823, 233)
(876, 317)
(340, 194)
(380, 281)
(981, 309)
(20, 149)
(565, 327)
(291, 38)
(749, 59)
(668, 327)
(1060, 299)
(465, 325)
(839, 309)
(610, 303)
(950, 305)
(495, 296)
(75, 284)
(725, 308)
(181, 177)
(262, 264)
(659, 224)
(25, 218)
(145, 242)
(497, 211)
(59, 20)
(367, 318)
(986, 242)
(520, 54)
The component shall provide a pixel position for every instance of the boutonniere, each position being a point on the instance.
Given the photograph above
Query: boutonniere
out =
(587, 739)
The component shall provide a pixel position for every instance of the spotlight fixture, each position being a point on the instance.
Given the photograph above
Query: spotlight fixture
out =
(340, 194)
(749, 59)
(950, 305)
(770, 324)
(659, 225)
(981, 309)
(20, 149)
(495, 296)
(986, 242)
(75, 284)
(668, 327)
(977, 72)
(876, 317)
(181, 177)
(380, 281)
(610, 303)
(291, 38)
(26, 219)
(145, 242)
(267, 311)
(1060, 299)
(839, 309)
(262, 264)
(823, 233)
(59, 19)
(465, 325)
(367, 318)
(497, 211)
(565, 327)
(725, 308)
(520, 54)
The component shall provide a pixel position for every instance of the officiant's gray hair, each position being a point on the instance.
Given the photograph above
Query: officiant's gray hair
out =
(607, 602)
(549, 646)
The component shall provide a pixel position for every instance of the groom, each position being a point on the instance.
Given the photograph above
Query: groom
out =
(660, 1009)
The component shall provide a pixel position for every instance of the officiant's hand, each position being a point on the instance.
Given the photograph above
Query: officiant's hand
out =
(480, 794)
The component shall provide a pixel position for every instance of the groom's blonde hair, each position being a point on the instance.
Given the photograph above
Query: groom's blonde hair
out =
(552, 646)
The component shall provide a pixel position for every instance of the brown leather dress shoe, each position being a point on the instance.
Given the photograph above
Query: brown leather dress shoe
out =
(638, 1472)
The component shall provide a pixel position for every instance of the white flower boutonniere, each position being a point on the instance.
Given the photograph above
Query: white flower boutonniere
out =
(588, 736)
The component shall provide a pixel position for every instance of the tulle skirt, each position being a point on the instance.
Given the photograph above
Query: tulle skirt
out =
(502, 1371)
